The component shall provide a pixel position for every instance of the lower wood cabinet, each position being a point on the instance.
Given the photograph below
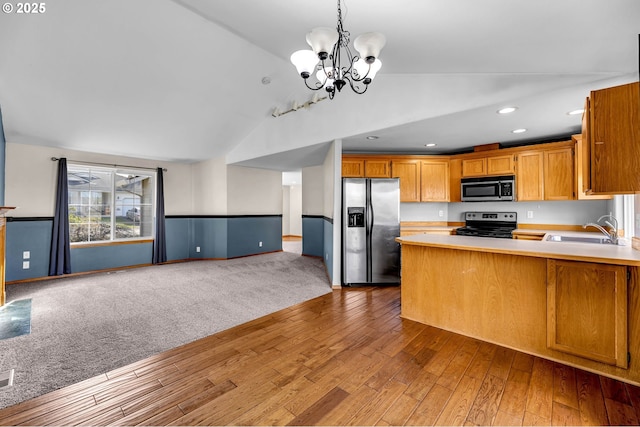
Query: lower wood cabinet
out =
(587, 310)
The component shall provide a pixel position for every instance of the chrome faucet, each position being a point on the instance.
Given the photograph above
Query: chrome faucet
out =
(612, 235)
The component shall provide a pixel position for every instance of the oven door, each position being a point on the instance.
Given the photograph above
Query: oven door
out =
(480, 191)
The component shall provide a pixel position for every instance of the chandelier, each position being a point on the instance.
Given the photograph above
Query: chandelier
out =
(332, 63)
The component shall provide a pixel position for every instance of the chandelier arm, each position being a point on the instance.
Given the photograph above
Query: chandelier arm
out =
(355, 87)
(318, 85)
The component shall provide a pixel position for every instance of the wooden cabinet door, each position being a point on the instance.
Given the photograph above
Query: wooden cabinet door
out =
(583, 152)
(474, 167)
(377, 169)
(587, 310)
(409, 173)
(558, 174)
(582, 168)
(434, 181)
(500, 165)
(455, 175)
(614, 139)
(352, 168)
(530, 176)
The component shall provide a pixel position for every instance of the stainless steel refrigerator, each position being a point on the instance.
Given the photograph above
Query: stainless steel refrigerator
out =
(370, 225)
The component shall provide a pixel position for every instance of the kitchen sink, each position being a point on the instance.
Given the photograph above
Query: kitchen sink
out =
(578, 239)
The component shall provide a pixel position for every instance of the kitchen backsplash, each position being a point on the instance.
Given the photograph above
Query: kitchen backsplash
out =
(565, 212)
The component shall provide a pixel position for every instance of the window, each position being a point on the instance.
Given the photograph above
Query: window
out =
(107, 204)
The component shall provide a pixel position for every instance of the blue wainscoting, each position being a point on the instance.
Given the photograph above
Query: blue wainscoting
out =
(313, 235)
(210, 234)
(27, 234)
(246, 233)
(218, 237)
(317, 239)
(177, 233)
(328, 246)
(93, 258)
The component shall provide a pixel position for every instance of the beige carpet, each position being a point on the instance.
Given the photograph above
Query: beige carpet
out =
(87, 325)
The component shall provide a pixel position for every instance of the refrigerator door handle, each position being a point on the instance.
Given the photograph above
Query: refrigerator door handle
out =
(369, 229)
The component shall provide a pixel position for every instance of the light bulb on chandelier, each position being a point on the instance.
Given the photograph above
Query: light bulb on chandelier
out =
(332, 63)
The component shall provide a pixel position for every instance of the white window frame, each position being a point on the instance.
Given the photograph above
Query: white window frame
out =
(114, 171)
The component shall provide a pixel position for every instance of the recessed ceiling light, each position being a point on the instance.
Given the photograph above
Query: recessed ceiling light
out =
(576, 112)
(519, 130)
(507, 110)
(371, 137)
(430, 145)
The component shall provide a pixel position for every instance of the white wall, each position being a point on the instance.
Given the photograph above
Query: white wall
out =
(295, 210)
(31, 178)
(210, 187)
(313, 192)
(424, 211)
(328, 171)
(286, 214)
(252, 191)
(636, 216)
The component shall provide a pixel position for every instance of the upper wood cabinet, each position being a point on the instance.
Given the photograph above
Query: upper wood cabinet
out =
(489, 165)
(474, 167)
(377, 168)
(434, 180)
(545, 174)
(422, 180)
(558, 174)
(455, 175)
(409, 173)
(582, 171)
(530, 176)
(366, 168)
(587, 310)
(611, 128)
(352, 168)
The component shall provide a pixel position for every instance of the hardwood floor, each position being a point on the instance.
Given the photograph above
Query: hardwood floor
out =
(346, 358)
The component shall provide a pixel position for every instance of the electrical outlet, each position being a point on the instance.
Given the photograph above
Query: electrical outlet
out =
(26, 254)
(440, 214)
(25, 265)
(197, 248)
(529, 214)
(260, 244)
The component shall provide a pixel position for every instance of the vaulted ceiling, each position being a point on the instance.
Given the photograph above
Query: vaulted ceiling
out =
(181, 80)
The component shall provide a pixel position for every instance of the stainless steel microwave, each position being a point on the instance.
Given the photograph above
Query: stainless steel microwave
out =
(489, 189)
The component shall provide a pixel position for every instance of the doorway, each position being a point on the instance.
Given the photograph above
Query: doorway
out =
(292, 212)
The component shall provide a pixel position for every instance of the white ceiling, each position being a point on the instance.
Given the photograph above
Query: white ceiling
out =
(180, 80)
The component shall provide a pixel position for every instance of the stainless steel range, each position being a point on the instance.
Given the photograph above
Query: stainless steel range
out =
(489, 224)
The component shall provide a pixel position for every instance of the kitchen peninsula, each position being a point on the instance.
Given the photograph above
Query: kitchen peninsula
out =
(575, 303)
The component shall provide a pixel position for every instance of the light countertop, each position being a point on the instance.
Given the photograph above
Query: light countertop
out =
(588, 252)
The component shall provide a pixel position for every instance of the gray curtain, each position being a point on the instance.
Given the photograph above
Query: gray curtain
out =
(60, 256)
(160, 243)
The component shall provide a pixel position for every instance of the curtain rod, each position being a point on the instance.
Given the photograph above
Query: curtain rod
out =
(55, 159)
